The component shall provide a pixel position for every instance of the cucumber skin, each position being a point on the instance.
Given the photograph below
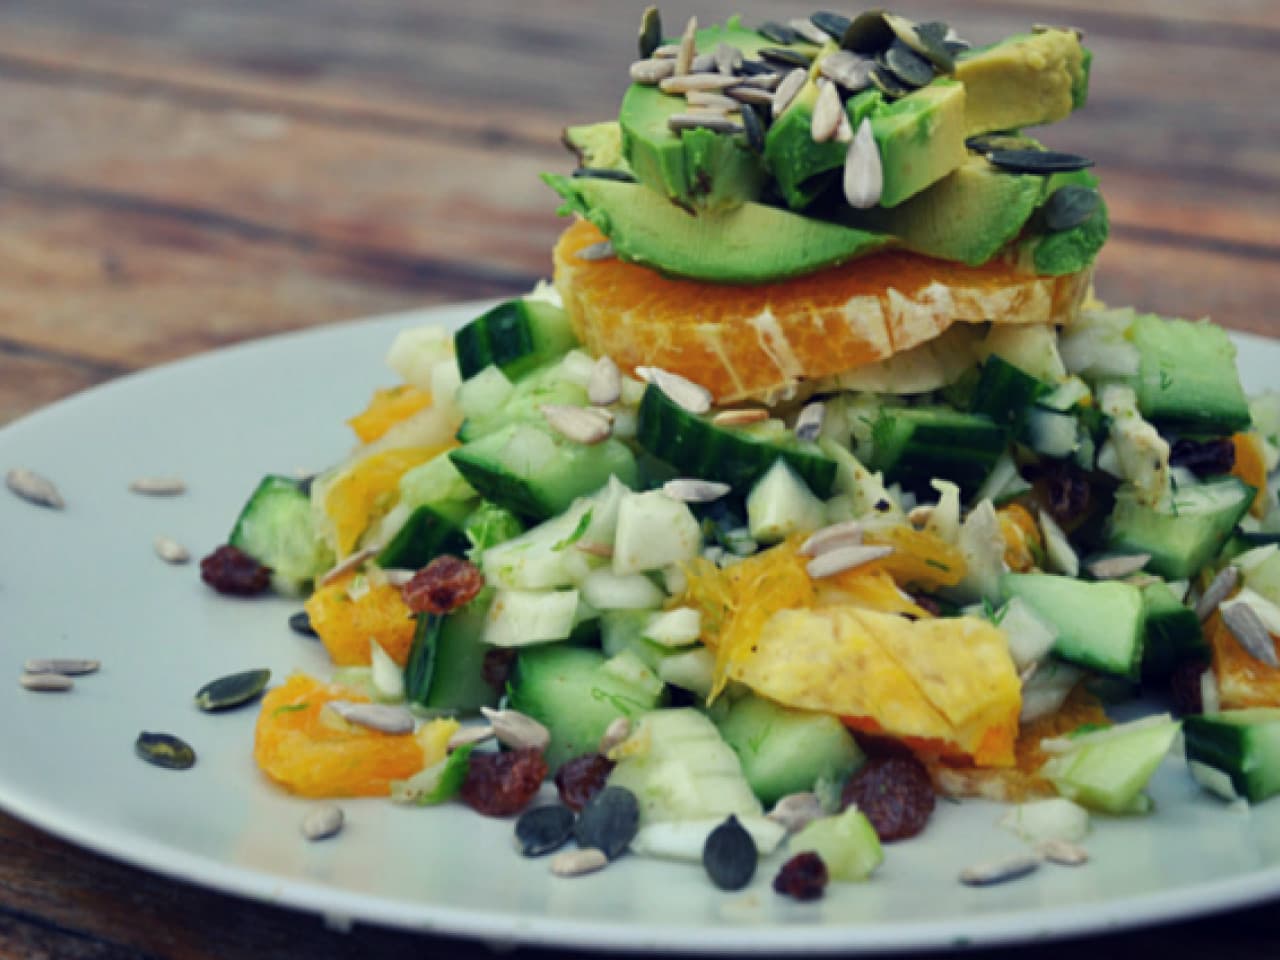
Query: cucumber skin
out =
(257, 532)
(1005, 392)
(1231, 741)
(698, 448)
(517, 336)
(1133, 528)
(1174, 633)
(429, 532)
(914, 445)
(445, 669)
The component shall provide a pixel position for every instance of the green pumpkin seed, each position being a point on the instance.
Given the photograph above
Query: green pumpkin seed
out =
(868, 34)
(907, 65)
(987, 142)
(603, 173)
(1038, 161)
(777, 32)
(650, 32)
(1070, 206)
(754, 128)
(233, 690)
(164, 750)
(888, 84)
(833, 24)
(792, 58)
(926, 43)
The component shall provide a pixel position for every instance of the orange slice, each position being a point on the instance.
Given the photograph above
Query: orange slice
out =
(346, 626)
(386, 408)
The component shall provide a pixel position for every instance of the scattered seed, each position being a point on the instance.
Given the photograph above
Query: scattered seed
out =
(728, 58)
(921, 515)
(756, 96)
(863, 173)
(517, 730)
(1117, 568)
(688, 47)
(704, 63)
(825, 119)
(608, 821)
(867, 33)
(697, 81)
(847, 69)
(740, 418)
(790, 86)
(707, 100)
(353, 562)
(233, 690)
(382, 717)
(47, 682)
(846, 534)
(652, 72)
(1220, 587)
(300, 622)
(796, 810)
(467, 736)
(617, 731)
(171, 551)
(34, 488)
(322, 822)
(999, 871)
(604, 386)
(753, 126)
(787, 57)
(1070, 206)
(928, 40)
(586, 425)
(67, 666)
(597, 251)
(576, 863)
(907, 65)
(839, 559)
(398, 577)
(887, 82)
(681, 391)
(544, 829)
(1038, 161)
(1062, 852)
(1247, 627)
(704, 120)
(806, 28)
(777, 32)
(158, 486)
(165, 750)
(729, 855)
(692, 490)
(603, 173)
(668, 51)
(832, 24)
(650, 32)
(809, 422)
(768, 80)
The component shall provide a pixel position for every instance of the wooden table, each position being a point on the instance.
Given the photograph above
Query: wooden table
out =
(178, 176)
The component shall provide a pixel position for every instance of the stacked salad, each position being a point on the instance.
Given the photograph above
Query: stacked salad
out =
(953, 538)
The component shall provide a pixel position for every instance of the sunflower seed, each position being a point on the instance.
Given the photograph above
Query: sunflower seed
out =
(809, 30)
(1070, 206)
(604, 386)
(753, 126)
(704, 63)
(382, 717)
(67, 666)
(585, 425)
(164, 750)
(849, 70)
(927, 41)
(868, 33)
(825, 120)
(772, 30)
(703, 120)
(46, 682)
(322, 822)
(33, 488)
(1220, 587)
(1038, 161)
(767, 80)
(679, 390)
(597, 252)
(233, 690)
(697, 81)
(695, 491)
(688, 47)
(1247, 627)
(809, 421)
(576, 863)
(1117, 568)
(603, 173)
(863, 173)
(158, 486)
(728, 58)
(790, 86)
(707, 100)
(353, 562)
(517, 730)
(617, 731)
(907, 65)
(398, 577)
(846, 534)
(1062, 852)
(999, 871)
(171, 551)
(786, 57)
(756, 96)
(839, 559)
(796, 811)
(740, 418)
(544, 829)
(832, 24)
(650, 36)
(469, 736)
(650, 72)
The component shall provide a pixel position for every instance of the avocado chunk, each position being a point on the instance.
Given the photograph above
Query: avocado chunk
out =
(921, 139)
(1058, 252)
(1024, 81)
(597, 145)
(752, 243)
(804, 169)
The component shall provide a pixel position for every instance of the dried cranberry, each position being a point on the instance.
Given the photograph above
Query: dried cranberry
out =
(502, 784)
(1184, 687)
(581, 778)
(232, 571)
(1205, 459)
(804, 877)
(895, 793)
(496, 668)
(443, 585)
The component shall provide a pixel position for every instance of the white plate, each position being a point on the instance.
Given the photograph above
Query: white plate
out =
(85, 582)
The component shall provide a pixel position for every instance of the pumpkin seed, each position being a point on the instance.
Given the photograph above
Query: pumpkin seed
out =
(322, 822)
(786, 56)
(516, 730)
(863, 172)
(887, 82)
(165, 750)
(603, 173)
(34, 488)
(756, 96)
(849, 70)
(806, 28)
(688, 47)
(832, 24)
(730, 856)
(999, 871)
(839, 559)
(1247, 627)
(650, 37)
(544, 829)
(577, 863)
(1070, 206)
(46, 682)
(868, 33)
(753, 126)
(704, 120)
(929, 43)
(67, 666)
(597, 252)
(651, 71)
(810, 420)
(907, 65)
(825, 120)
(790, 86)
(170, 550)
(300, 622)
(158, 486)
(772, 30)
(1038, 161)
(695, 490)
(1220, 587)
(609, 821)
(728, 58)
(233, 690)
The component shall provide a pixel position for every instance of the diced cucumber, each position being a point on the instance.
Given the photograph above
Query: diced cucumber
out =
(523, 404)
(1108, 770)
(481, 396)
(653, 532)
(1173, 632)
(1031, 347)
(438, 783)
(1005, 393)
(517, 618)
(915, 445)
(1030, 637)
(445, 670)
(569, 691)
(487, 526)
(1099, 625)
(276, 528)
(1244, 745)
(786, 751)
(606, 590)
(847, 844)
(1184, 533)
(430, 531)
(516, 336)
(693, 670)
(1051, 433)
(739, 457)
(780, 504)
(675, 628)
(533, 471)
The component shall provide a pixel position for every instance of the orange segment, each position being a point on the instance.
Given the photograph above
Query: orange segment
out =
(346, 626)
(920, 559)
(364, 493)
(1251, 467)
(1022, 540)
(742, 341)
(1243, 680)
(388, 407)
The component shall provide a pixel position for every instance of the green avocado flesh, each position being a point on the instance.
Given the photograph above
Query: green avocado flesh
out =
(1024, 81)
(805, 169)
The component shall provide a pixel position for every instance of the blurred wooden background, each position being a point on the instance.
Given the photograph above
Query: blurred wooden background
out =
(177, 176)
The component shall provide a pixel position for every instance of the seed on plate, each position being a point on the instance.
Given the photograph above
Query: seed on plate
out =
(1247, 627)
(469, 736)
(743, 417)
(753, 126)
(863, 172)
(233, 690)
(158, 486)
(617, 731)
(907, 65)
(756, 96)
(806, 28)
(543, 830)
(694, 490)
(322, 822)
(353, 562)
(1062, 852)
(576, 863)
(847, 69)
(825, 120)
(1038, 161)
(1118, 567)
(608, 821)
(47, 682)
(382, 717)
(730, 856)
(170, 550)
(1220, 587)
(300, 622)
(711, 120)
(517, 730)
(809, 422)
(681, 391)
(796, 811)
(845, 534)
(586, 425)
(596, 252)
(728, 58)
(777, 32)
(651, 72)
(698, 81)
(688, 47)
(999, 871)
(832, 24)
(67, 666)
(164, 750)
(839, 559)
(34, 488)
(650, 37)
(790, 86)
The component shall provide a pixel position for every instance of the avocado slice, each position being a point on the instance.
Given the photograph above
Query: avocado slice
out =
(752, 243)
(597, 145)
(1055, 253)
(1024, 81)
(802, 168)
(921, 139)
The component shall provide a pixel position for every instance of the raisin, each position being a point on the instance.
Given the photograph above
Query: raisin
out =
(581, 778)
(927, 604)
(1067, 493)
(1204, 459)
(443, 585)
(895, 793)
(804, 877)
(231, 571)
(502, 784)
(496, 667)
(1184, 687)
